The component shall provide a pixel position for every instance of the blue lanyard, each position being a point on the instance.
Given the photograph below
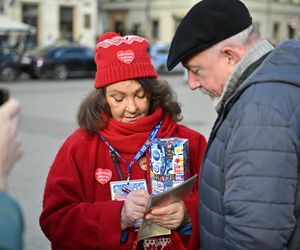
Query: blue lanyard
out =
(141, 151)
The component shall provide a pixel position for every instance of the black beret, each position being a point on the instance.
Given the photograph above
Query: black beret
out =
(207, 23)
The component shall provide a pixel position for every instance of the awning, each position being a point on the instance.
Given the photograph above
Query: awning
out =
(10, 25)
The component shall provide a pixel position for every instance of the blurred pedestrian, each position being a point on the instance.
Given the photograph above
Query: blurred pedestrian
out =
(49, 40)
(11, 219)
(128, 108)
(250, 176)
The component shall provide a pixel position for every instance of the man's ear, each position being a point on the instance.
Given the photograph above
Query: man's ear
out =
(232, 55)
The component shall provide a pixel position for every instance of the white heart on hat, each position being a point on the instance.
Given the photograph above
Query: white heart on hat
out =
(126, 56)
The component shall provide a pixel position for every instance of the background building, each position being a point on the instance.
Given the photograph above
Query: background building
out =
(84, 20)
(55, 20)
(158, 19)
(155, 19)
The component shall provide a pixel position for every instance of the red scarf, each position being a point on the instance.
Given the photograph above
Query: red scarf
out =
(129, 137)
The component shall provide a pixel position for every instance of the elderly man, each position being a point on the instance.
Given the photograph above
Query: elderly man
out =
(249, 187)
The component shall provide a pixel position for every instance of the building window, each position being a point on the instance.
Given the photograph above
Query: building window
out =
(291, 31)
(292, 25)
(119, 28)
(275, 34)
(87, 21)
(30, 16)
(177, 21)
(136, 28)
(1, 7)
(66, 23)
(155, 29)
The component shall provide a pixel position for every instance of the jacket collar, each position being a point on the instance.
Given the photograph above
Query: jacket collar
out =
(233, 82)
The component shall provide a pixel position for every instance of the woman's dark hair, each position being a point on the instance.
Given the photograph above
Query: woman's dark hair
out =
(158, 92)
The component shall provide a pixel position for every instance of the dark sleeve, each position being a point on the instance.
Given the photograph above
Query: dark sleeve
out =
(11, 223)
(260, 181)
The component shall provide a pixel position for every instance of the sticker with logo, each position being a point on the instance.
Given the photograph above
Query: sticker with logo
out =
(126, 56)
(103, 176)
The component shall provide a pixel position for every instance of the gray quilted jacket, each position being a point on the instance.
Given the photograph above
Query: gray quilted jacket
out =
(250, 177)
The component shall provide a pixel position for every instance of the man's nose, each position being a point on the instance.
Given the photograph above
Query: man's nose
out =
(193, 81)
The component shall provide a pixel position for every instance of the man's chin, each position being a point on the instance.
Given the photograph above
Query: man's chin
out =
(205, 92)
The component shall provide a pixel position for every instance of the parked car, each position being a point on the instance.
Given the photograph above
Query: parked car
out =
(59, 62)
(158, 52)
(9, 66)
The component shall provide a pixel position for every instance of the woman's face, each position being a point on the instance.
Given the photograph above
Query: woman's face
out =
(127, 101)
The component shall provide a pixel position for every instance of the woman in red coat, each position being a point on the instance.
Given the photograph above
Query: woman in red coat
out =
(128, 108)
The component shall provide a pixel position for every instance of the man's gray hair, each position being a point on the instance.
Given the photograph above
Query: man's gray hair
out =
(244, 39)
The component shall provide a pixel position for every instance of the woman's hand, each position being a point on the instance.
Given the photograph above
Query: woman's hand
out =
(134, 207)
(171, 216)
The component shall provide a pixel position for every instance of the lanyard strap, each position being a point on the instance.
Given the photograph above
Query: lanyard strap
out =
(116, 163)
(141, 151)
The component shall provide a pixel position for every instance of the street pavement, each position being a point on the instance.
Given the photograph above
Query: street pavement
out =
(49, 116)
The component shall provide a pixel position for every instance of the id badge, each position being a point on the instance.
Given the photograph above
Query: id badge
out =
(117, 192)
(117, 188)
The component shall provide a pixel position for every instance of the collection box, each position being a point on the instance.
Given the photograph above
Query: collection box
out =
(169, 163)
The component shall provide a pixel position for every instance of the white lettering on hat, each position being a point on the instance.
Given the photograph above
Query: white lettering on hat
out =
(126, 56)
(117, 40)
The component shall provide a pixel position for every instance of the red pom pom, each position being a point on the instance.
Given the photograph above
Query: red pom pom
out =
(107, 35)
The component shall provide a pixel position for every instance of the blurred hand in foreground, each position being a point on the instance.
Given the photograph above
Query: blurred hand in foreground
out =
(10, 140)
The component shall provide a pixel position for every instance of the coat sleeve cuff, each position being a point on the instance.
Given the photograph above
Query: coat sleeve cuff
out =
(186, 229)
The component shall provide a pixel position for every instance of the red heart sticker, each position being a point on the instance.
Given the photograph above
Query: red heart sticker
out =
(103, 175)
(126, 56)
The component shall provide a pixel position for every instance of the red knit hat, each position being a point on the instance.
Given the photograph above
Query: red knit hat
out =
(121, 58)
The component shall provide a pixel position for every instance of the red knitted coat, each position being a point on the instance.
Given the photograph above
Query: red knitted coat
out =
(78, 212)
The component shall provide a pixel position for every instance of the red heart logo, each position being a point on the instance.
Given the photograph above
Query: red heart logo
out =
(126, 56)
(103, 175)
